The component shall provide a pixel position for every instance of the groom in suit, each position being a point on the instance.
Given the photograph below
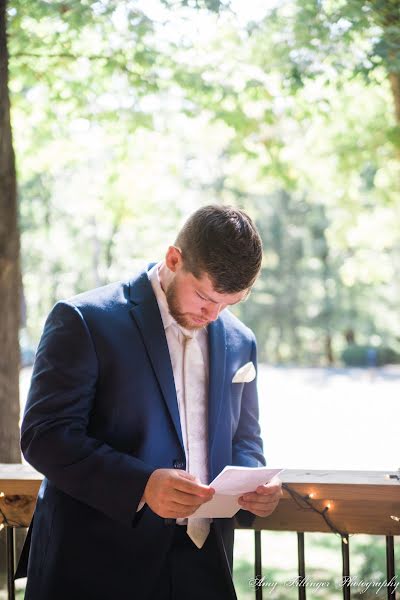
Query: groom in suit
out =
(132, 411)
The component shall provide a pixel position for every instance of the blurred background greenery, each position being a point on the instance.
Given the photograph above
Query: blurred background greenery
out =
(323, 566)
(129, 115)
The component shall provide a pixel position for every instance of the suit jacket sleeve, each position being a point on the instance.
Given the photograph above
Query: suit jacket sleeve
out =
(54, 431)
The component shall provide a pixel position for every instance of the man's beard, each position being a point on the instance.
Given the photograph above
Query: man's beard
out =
(174, 308)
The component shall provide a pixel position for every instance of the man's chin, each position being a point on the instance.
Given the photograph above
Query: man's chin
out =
(197, 327)
(191, 323)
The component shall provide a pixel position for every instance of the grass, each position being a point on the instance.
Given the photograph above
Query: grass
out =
(323, 566)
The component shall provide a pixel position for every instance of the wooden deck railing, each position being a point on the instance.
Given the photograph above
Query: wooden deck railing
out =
(341, 502)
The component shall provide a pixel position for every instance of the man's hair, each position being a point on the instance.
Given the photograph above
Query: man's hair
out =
(223, 242)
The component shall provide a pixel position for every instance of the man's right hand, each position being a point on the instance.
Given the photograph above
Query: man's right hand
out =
(175, 494)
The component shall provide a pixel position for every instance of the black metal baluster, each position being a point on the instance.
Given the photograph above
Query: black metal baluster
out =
(390, 571)
(10, 539)
(346, 567)
(258, 564)
(302, 567)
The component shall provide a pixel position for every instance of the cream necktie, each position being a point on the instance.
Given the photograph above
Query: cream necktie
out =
(196, 427)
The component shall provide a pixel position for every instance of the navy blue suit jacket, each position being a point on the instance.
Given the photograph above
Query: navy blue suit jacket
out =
(101, 415)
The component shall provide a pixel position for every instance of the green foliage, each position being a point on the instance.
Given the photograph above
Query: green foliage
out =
(211, 5)
(368, 356)
(323, 563)
(356, 36)
(127, 117)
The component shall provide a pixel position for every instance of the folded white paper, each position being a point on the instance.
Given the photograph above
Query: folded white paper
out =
(229, 485)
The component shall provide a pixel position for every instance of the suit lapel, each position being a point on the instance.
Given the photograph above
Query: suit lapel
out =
(217, 359)
(147, 316)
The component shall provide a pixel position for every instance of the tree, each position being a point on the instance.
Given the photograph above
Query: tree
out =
(350, 38)
(120, 114)
(72, 53)
(10, 278)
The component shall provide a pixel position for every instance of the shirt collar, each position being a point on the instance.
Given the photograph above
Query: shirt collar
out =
(154, 278)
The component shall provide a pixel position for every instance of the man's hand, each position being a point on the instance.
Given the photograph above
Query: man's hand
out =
(264, 500)
(175, 494)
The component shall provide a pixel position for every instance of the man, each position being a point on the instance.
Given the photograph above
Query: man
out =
(132, 411)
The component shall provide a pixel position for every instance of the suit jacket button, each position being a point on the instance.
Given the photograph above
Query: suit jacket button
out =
(178, 464)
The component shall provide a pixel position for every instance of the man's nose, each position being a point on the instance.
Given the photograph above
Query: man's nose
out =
(213, 311)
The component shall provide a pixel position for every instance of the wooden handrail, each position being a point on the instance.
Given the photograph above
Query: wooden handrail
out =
(360, 501)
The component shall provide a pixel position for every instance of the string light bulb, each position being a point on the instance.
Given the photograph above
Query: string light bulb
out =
(301, 500)
(2, 494)
(1, 526)
(395, 518)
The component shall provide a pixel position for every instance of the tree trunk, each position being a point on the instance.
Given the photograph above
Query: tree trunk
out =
(9, 270)
(389, 20)
(328, 349)
(394, 79)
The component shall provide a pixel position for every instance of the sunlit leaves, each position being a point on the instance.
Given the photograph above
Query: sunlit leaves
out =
(128, 115)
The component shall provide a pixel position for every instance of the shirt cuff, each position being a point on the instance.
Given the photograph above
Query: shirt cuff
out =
(140, 505)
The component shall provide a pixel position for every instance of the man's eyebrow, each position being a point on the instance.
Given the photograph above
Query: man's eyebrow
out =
(207, 297)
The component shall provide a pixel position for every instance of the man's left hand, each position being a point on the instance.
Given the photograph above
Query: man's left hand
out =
(264, 500)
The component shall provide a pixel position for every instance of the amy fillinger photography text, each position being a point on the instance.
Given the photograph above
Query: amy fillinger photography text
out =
(361, 586)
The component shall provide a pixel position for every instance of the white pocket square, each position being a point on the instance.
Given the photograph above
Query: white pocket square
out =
(245, 374)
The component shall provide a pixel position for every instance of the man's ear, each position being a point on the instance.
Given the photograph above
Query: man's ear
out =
(173, 258)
